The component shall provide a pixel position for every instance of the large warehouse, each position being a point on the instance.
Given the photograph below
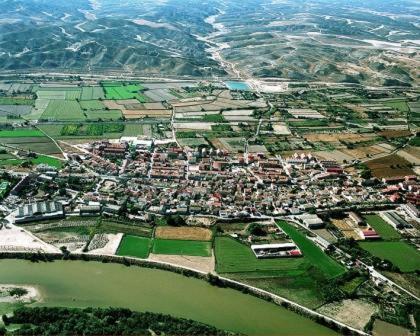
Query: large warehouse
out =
(39, 211)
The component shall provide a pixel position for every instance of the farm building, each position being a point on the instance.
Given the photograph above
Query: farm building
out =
(411, 210)
(370, 234)
(276, 250)
(39, 211)
(311, 221)
(395, 220)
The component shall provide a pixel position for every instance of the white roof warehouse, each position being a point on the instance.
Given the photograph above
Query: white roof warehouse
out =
(39, 211)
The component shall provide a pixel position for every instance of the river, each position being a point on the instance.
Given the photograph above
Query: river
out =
(84, 284)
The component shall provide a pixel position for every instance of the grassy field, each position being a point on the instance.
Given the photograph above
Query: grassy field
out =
(63, 110)
(20, 133)
(312, 252)
(103, 114)
(133, 130)
(47, 160)
(94, 129)
(134, 246)
(385, 230)
(402, 255)
(130, 91)
(235, 257)
(400, 105)
(16, 101)
(92, 92)
(182, 247)
(92, 105)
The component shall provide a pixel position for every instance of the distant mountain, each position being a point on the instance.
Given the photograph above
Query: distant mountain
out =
(373, 42)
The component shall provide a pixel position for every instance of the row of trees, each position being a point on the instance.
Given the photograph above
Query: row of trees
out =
(97, 321)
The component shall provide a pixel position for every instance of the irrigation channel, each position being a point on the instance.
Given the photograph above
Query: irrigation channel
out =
(96, 284)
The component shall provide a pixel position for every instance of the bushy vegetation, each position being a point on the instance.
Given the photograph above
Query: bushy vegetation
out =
(96, 321)
(95, 129)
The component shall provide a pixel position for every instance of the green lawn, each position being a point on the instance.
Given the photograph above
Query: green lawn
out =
(20, 133)
(134, 246)
(312, 252)
(385, 230)
(402, 255)
(182, 247)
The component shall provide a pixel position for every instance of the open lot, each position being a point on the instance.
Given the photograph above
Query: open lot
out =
(182, 247)
(183, 233)
(134, 246)
(402, 255)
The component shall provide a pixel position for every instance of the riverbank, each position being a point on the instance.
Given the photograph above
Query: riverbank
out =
(97, 284)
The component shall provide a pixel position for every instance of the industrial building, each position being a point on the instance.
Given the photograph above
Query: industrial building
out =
(311, 221)
(39, 211)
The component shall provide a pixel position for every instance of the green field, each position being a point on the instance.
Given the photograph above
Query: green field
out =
(119, 91)
(103, 114)
(400, 105)
(235, 257)
(20, 133)
(92, 105)
(53, 162)
(385, 230)
(63, 110)
(92, 92)
(312, 252)
(402, 255)
(133, 130)
(73, 94)
(16, 101)
(182, 247)
(94, 129)
(134, 246)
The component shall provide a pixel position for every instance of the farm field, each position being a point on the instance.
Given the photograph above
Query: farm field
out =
(20, 133)
(398, 104)
(63, 110)
(235, 257)
(402, 255)
(134, 246)
(91, 105)
(38, 144)
(108, 226)
(133, 130)
(94, 129)
(92, 92)
(385, 230)
(16, 101)
(118, 91)
(42, 159)
(183, 233)
(192, 142)
(99, 115)
(182, 247)
(390, 166)
(313, 253)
